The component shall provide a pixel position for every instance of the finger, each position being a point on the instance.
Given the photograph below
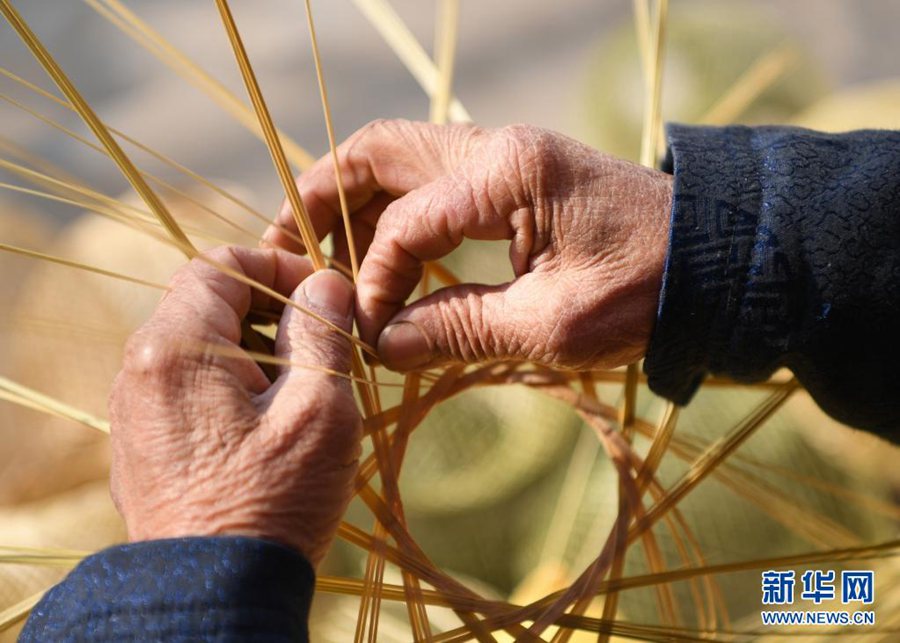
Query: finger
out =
(307, 341)
(363, 228)
(428, 224)
(207, 297)
(310, 418)
(468, 324)
(393, 157)
(202, 312)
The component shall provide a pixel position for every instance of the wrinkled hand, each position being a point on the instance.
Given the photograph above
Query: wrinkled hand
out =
(588, 239)
(203, 444)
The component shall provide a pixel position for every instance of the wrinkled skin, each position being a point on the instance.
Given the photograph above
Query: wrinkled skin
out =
(588, 235)
(203, 444)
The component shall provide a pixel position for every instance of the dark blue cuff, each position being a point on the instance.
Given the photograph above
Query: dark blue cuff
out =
(187, 589)
(784, 251)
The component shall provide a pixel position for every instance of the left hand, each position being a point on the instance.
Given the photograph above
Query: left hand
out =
(203, 444)
(587, 239)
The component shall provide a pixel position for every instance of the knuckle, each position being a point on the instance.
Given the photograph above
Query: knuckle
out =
(220, 254)
(381, 127)
(208, 264)
(525, 138)
(149, 353)
(529, 152)
(377, 123)
(469, 337)
(200, 268)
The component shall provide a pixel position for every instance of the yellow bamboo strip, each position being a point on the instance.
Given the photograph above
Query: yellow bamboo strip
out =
(20, 611)
(658, 446)
(36, 161)
(98, 203)
(273, 142)
(418, 615)
(36, 560)
(642, 29)
(771, 499)
(714, 455)
(647, 472)
(222, 267)
(446, 36)
(443, 273)
(79, 266)
(235, 274)
(761, 75)
(332, 143)
(40, 401)
(264, 358)
(400, 39)
(57, 552)
(510, 613)
(139, 31)
(90, 118)
(159, 156)
(137, 221)
(886, 508)
(654, 85)
(277, 296)
(652, 106)
(370, 603)
(82, 190)
(152, 177)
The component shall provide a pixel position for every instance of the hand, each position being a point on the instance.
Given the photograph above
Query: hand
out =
(588, 239)
(203, 444)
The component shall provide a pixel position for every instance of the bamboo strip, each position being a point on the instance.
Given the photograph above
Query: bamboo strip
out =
(152, 177)
(715, 455)
(446, 36)
(20, 611)
(653, 104)
(43, 402)
(179, 62)
(400, 39)
(509, 613)
(159, 156)
(273, 141)
(761, 75)
(79, 266)
(332, 144)
(264, 358)
(90, 118)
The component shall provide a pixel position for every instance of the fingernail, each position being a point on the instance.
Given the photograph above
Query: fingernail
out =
(327, 291)
(403, 347)
(267, 238)
(370, 360)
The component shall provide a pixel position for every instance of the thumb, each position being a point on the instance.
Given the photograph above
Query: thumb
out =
(307, 341)
(467, 323)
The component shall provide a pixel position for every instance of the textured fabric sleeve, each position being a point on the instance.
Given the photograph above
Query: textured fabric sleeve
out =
(190, 589)
(784, 251)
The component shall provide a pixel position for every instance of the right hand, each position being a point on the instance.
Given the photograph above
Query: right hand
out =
(588, 239)
(203, 444)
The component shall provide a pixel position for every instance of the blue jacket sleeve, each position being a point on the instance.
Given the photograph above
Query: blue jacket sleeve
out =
(784, 251)
(189, 589)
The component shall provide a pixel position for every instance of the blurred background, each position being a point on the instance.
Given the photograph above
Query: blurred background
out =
(485, 472)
